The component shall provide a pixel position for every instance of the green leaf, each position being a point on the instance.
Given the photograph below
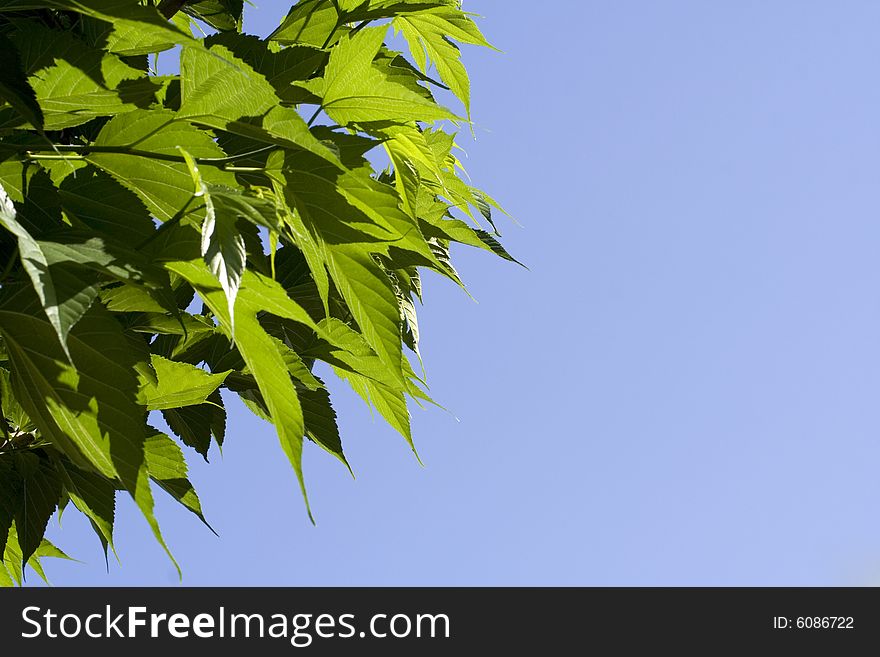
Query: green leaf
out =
(430, 35)
(44, 550)
(10, 498)
(5, 579)
(377, 9)
(310, 22)
(64, 296)
(259, 352)
(12, 410)
(133, 298)
(216, 84)
(346, 349)
(343, 208)
(121, 13)
(320, 422)
(495, 246)
(40, 490)
(153, 167)
(179, 384)
(390, 402)
(167, 467)
(95, 496)
(88, 411)
(147, 220)
(74, 82)
(221, 91)
(196, 425)
(128, 38)
(15, 175)
(413, 162)
(354, 91)
(280, 68)
(223, 249)
(369, 295)
(219, 14)
(411, 322)
(297, 368)
(14, 87)
(12, 557)
(102, 254)
(100, 203)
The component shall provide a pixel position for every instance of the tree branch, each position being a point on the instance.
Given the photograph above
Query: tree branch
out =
(170, 7)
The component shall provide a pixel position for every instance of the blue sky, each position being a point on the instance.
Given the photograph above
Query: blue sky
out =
(682, 390)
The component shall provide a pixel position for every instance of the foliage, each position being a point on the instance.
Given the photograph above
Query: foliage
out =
(169, 237)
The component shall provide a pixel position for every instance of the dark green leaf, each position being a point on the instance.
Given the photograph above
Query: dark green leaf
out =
(40, 490)
(14, 87)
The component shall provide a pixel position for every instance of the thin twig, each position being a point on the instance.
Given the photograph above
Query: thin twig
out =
(314, 116)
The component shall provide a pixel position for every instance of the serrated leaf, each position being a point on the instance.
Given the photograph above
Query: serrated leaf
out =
(5, 578)
(101, 254)
(15, 175)
(196, 425)
(222, 91)
(95, 496)
(127, 38)
(320, 422)
(344, 208)
(121, 13)
(88, 411)
(224, 251)
(370, 297)
(389, 401)
(133, 298)
(179, 384)
(429, 35)
(96, 200)
(310, 22)
(64, 296)
(495, 246)
(40, 491)
(14, 87)
(12, 410)
(155, 171)
(167, 467)
(219, 14)
(12, 557)
(281, 68)
(10, 498)
(74, 82)
(297, 368)
(46, 549)
(260, 353)
(346, 349)
(411, 322)
(354, 91)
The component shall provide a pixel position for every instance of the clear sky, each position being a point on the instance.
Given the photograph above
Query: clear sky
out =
(683, 388)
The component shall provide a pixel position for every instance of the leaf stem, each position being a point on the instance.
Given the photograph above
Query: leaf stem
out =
(359, 27)
(335, 4)
(41, 156)
(78, 151)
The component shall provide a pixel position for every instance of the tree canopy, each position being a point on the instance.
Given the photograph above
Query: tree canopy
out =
(167, 237)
